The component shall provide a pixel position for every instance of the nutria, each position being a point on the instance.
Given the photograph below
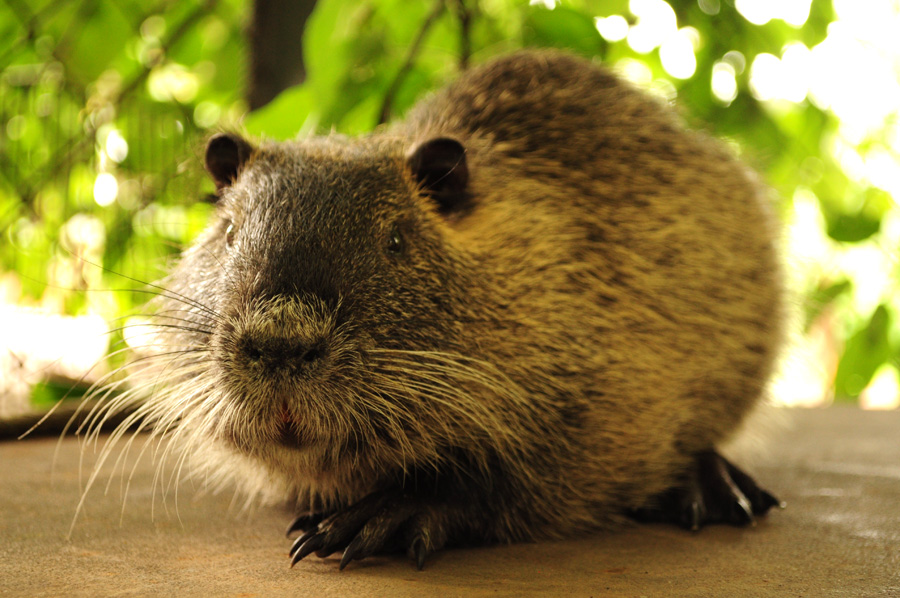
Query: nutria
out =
(532, 309)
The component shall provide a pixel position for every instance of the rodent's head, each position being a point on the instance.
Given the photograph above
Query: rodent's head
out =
(331, 295)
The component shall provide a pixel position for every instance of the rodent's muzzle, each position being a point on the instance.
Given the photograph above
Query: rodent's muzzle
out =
(272, 344)
(275, 359)
(277, 354)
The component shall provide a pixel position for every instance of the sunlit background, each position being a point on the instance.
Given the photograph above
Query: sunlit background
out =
(854, 73)
(82, 190)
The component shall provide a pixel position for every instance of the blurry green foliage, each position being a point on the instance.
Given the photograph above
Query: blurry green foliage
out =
(47, 393)
(72, 73)
(864, 352)
(78, 77)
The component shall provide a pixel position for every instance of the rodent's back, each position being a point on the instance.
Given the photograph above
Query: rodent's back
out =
(663, 242)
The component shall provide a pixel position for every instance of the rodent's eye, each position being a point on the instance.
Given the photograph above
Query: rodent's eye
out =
(229, 234)
(395, 240)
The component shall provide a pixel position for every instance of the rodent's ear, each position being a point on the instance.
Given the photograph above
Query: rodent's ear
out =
(226, 154)
(440, 167)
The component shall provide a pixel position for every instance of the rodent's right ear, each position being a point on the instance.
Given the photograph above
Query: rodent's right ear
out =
(226, 154)
(440, 167)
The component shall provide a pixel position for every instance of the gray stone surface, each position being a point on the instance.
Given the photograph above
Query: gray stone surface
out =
(838, 469)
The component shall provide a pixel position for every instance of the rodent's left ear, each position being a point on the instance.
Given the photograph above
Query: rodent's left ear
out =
(226, 154)
(440, 167)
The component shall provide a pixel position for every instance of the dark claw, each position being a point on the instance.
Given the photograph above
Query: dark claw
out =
(741, 511)
(694, 516)
(301, 540)
(351, 552)
(768, 501)
(726, 490)
(419, 552)
(304, 523)
(313, 544)
(760, 500)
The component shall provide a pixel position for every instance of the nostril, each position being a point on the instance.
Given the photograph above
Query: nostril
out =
(305, 356)
(252, 351)
(313, 354)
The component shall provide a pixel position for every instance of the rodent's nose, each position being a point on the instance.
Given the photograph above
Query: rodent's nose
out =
(282, 353)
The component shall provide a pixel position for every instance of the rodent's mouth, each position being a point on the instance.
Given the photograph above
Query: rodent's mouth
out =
(288, 437)
(288, 434)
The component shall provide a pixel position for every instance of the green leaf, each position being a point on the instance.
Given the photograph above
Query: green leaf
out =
(851, 228)
(853, 216)
(103, 33)
(285, 116)
(49, 392)
(562, 28)
(823, 297)
(864, 352)
(333, 32)
(605, 8)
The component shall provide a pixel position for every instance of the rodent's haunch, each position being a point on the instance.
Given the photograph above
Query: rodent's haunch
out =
(531, 309)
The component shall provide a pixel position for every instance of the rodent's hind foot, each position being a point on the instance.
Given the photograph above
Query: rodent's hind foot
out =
(384, 521)
(712, 491)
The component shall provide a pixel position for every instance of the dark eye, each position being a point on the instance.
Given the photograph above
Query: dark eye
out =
(229, 234)
(395, 241)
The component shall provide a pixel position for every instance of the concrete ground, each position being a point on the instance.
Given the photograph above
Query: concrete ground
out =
(838, 469)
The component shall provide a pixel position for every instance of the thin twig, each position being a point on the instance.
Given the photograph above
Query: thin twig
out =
(410, 59)
(465, 33)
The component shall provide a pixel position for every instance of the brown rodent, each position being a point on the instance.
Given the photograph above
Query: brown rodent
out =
(530, 310)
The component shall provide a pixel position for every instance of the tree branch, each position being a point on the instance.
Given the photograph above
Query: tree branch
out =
(465, 33)
(408, 63)
(276, 48)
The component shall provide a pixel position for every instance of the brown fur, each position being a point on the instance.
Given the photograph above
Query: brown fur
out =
(605, 307)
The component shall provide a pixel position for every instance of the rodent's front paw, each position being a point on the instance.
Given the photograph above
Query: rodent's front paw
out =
(383, 521)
